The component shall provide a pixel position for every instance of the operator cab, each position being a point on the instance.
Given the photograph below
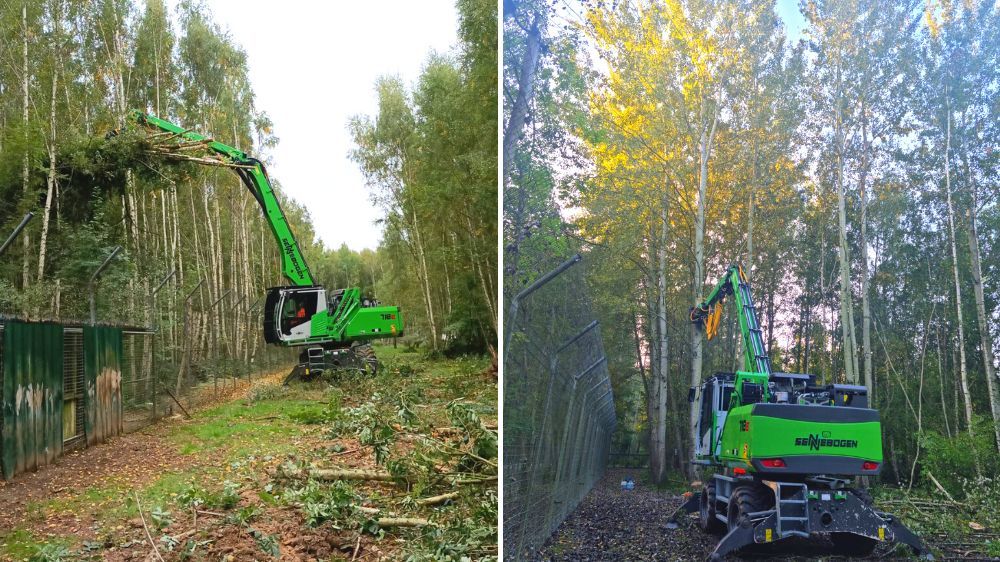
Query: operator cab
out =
(289, 312)
(716, 395)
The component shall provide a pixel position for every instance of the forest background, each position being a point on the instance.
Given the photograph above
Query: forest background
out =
(852, 172)
(70, 70)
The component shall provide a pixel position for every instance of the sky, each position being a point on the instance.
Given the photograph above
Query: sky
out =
(788, 11)
(313, 65)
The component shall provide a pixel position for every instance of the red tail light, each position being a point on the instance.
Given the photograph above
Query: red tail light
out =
(869, 465)
(739, 471)
(773, 463)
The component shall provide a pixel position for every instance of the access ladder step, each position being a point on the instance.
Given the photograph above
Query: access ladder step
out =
(317, 358)
(792, 509)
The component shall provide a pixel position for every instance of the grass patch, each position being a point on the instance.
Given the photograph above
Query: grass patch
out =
(233, 446)
(259, 425)
(20, 544)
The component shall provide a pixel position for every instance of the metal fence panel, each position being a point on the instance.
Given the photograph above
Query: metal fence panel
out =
(102, 351)
(66, 384)
(32, 396)
(558, 407)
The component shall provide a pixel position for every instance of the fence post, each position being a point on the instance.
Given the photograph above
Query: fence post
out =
(17, 230)
(236, 332)
(215, 374)
(564, 451)
(515, 302)
(185, 367)
(154, 320)
(92, 284)
(553, 370)
(251, 353)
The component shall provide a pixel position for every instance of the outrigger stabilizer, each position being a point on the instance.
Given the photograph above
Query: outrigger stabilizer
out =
(840, 515)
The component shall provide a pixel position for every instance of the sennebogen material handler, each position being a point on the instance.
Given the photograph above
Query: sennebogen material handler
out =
(334, 328)
(785, 450)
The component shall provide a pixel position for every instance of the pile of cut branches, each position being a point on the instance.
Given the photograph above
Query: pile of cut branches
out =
(438, 481)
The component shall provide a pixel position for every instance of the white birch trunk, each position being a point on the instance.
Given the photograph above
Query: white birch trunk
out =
(662, 369)
(963, 374)
(985, 341)
(50, 180)
(866, 314)
(425, 279)
(25, 77)
(699, 265)
(847, 327)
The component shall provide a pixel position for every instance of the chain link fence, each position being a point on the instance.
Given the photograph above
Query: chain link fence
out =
(559, 414)
(139, 385)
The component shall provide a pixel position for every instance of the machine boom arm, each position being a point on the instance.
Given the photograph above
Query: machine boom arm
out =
(254, 176)
(734, 282)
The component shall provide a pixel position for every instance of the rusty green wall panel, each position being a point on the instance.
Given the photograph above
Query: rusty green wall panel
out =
(32, 396)
(102, 352)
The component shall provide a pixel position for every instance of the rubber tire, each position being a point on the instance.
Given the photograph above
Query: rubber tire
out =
(849, 544)
(367, 362)
(746, 499)
(706, 510)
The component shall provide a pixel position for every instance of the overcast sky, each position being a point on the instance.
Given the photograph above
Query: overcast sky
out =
(313, 65)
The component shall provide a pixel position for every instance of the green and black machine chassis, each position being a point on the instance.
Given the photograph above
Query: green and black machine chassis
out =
(785, 451)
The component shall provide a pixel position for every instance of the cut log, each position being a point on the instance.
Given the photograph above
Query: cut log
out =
(328, 474)
(392, 521)
(333, 474)
(486, 480)
(435, 500)
(402, 522)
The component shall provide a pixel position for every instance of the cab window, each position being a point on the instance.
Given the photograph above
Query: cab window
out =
(708, 399)
(727, 394)
(298, 309)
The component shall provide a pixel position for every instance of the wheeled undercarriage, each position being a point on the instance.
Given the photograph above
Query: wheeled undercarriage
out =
(315, 361)
(752, 510)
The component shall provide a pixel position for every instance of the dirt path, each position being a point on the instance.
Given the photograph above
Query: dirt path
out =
(130, 460)
(133, 459)
(612, 524)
